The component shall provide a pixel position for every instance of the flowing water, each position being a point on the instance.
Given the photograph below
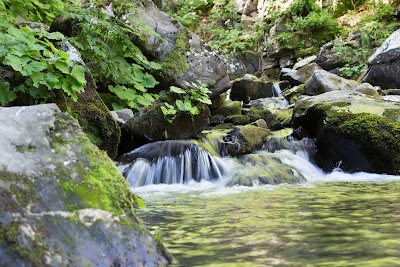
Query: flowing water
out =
(334, 219)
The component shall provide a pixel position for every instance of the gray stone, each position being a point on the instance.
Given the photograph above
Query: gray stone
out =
(297, 77)
(64, 202)
(303, 62)
(250, 87)
(323, 81)
(241, 63)
(384, 64)
(122, 116)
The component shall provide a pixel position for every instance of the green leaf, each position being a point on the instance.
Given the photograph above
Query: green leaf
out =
(78, 72)
(6, 96)
(123, 92)
(55, 35)
(140, 202)
(144, 101)
(205, 100)
(118, 106)
(177, 90)
(51, 80)
(148, 81)
(38, 79)
(62, 66)
(17, 63)
(39, 92)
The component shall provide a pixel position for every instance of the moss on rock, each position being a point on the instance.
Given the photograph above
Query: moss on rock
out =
(175, 62)
(238, 119)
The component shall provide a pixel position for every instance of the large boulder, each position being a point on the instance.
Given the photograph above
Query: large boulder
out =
(354, 131)
(300, 76)
(245, 139)
(323, 81)
(183, 55)
(93, 115)
(384, 64)
(150, 124)
(64, 203)
(250, 87)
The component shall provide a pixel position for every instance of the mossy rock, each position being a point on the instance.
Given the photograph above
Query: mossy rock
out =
(275, 120)
(248, 138)
(293, 94)
(64, 202)
(150, 124)
(264, 168)
(354, 131)
(238, 119)
(229, 108)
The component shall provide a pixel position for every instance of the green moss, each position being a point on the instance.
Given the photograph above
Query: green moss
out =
(102, 186)
(26, 149)
(238, 119)
(379, 137)
(392, 114)
(253, 136)
(229, 108)
(223, 126)
(176, 62)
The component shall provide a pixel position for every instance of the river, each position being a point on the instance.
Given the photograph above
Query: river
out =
(334, 219)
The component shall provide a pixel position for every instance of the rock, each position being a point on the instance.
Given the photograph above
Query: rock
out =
(297, 77)
(264, 168)
(183, 55)
(237, 119)
(247, 138)
(260, 123)
(240, 64)
(384, 66)
(93, 115)
(353, 131)
(328, 58)
(122, 116)
(323, 81)
(250, 7)
(229, 108)
(275, 120)
(64, 203)
(286, 62)
(368, 89)
(303, 62)
(150, 125)
(291, 95)
(250, 87)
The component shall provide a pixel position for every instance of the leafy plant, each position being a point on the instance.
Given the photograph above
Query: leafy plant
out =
(40, 67)
(189, 99)
(117, 64)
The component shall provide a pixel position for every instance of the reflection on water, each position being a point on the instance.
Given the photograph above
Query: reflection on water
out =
(320, 224)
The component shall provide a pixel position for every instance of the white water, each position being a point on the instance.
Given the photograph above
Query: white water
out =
(298, 160)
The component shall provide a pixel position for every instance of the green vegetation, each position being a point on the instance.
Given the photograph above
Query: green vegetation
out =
(189, 98)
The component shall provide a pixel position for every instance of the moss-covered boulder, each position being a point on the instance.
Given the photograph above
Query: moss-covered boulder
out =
(93, 115)
(264, 168)
(150, 124)
(291, 95)
(250, 87)
(237, 119)
(63, 201)
(275, 119)
(354, 131)
(246, 138)
(323, 81)
(229, 108)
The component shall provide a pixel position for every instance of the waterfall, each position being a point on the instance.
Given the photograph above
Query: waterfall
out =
(170, 162)
(283, 103)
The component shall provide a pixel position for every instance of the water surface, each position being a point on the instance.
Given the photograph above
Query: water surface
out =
(346, 220)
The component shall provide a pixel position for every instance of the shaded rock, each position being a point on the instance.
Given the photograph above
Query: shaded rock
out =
(249, 87)
(323, 81)
(297, 77)
(328, 58)
(229, 108)
(183, 55)
(243, 63)
(353, 131)
(150, 125)
(237, 119)
(122, 116)
(384, 64)
(264, 168)
(247, 138)
(217, 119)
(93, 115)
(64, 203)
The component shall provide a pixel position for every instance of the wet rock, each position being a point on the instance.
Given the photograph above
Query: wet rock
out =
(354, 131)
(247, 138)
(323, 81)
(384, 66)
(64, 203)
(229, 108)
(264, 168)
(250, 87)
(150, 124)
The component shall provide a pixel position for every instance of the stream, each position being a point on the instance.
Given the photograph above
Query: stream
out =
(334, 219)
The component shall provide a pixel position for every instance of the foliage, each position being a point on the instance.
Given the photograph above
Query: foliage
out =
(40, 67)
(118, 65)
(189, 98)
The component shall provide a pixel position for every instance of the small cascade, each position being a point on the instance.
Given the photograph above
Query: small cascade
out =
(283, 103)
(170, 162)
